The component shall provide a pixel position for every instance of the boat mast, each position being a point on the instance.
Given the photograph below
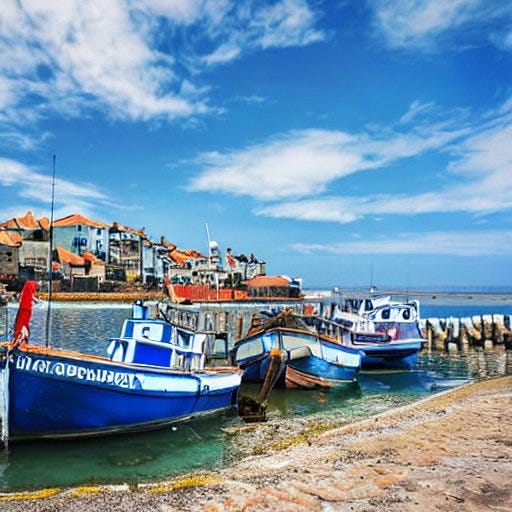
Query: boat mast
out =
(50, 258)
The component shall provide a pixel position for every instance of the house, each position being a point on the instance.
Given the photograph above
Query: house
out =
(10, 243)
(70, 264)
(34, 234)
(79, 234)
(126, 250)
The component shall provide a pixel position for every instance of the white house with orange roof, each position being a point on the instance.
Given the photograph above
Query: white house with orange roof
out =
(79, 234)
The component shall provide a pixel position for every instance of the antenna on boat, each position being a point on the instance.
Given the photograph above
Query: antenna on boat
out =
(408, 278)
(371, 276)
(50, 262)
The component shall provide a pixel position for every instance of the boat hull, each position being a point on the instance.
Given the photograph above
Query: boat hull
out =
(403, 353)
(53, 397)
(313, 372)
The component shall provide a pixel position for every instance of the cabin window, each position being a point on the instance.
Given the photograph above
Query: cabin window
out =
(406, 314)
(290, 342)
(208, 322)
(220, 347)
(240, 327)
(386, 314)
(249, 349)
(184, 339)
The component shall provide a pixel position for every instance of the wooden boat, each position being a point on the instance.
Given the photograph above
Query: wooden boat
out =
(310, 360)
(151, 379)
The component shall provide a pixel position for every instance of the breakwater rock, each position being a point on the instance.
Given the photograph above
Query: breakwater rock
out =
(454, 333)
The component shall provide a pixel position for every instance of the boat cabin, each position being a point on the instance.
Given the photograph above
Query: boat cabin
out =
(398, 320)
(395, 312)
(293, 345)
(157, 343)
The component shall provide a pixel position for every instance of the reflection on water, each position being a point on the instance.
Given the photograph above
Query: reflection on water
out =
(186, 446)
(202, 443)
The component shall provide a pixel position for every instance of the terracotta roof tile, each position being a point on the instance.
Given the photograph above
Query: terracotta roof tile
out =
(119, 227)
(26, 223)
(69, 257)
(76, 219)
(10, 239)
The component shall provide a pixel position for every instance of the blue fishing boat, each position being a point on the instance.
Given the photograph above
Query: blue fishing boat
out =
(310, 360)
(151, 378)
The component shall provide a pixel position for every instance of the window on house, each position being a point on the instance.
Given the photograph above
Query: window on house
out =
(98, 231)
(79, 227)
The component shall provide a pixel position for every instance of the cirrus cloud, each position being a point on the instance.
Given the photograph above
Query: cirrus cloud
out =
(448, 243)
(425, 23)
(118, 56)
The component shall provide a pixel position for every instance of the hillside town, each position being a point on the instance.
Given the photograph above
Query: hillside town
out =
(94, 256)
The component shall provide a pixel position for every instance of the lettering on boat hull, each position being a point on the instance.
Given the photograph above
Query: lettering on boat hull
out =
(77, 372)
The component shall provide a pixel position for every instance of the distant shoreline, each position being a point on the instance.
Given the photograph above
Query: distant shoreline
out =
(425, 297)
(102, 296)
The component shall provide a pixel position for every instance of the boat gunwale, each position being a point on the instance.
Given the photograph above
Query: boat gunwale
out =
(92, 358)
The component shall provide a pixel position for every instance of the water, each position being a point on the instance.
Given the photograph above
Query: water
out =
(464, 310)
(204, 443)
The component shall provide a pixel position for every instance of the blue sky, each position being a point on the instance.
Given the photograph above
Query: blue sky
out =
(347, 142)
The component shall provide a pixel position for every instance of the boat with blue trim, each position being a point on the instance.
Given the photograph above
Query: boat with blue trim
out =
(310, 360)
(152, 378)
(386, 331)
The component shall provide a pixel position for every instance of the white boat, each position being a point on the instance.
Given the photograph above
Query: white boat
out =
(386, 331)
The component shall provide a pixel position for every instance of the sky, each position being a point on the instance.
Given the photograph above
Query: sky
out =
(351, 143)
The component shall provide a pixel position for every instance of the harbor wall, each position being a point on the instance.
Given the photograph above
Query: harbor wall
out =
(454, 334)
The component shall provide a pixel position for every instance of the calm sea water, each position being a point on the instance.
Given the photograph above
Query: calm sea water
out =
(203, 443)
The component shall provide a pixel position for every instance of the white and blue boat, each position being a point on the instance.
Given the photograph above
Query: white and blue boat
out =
(310, 360)
(152, 378)
(386, 331)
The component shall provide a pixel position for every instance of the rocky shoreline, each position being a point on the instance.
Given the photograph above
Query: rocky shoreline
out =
(451, 451)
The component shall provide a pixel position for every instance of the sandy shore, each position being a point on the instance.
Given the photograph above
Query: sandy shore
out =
(448, 452)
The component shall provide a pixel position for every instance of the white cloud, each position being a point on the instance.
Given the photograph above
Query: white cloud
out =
(74, 54)
(421, 23)
(286, 23)
(181, 11)
(294, 164)
(448, 243)
(226, 52)
(34, 186)
(292, 172)
(118, 55)
(304, 162)
(248, 26)
(484, 165)
(416, 109)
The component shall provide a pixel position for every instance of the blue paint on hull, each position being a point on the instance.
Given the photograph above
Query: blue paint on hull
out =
(403, 354)
(46, 404)
(318, 367)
